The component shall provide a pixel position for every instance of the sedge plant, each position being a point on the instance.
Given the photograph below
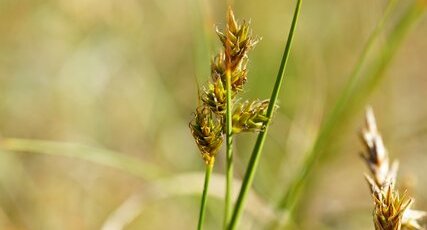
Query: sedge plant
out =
(228, 75)
(220, 113)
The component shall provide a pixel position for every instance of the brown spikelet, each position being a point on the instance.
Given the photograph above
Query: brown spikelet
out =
(237, 40)
(207, 132)
(389, 208)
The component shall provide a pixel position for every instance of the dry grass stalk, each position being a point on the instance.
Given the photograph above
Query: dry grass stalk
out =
(392, 211)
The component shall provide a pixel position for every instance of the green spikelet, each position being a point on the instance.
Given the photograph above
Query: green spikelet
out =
(250, 116)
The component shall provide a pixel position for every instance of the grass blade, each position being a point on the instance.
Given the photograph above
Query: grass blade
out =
(99, 156)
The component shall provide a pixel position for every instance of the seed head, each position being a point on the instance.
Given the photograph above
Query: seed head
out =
(250, 116)
(389, 208)
(391, 211)
(375, 155)
(208, 124)
(207, 133)
(238, 75)
(214, 96)
(237, 40)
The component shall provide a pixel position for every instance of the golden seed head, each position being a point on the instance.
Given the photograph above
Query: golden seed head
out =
(389, 208)
(391, 211)
(237, 40)
(207, 133)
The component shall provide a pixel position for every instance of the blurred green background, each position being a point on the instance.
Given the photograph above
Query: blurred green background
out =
(112, 86)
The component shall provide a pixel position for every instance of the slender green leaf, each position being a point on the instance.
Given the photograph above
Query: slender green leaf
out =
(256, 153)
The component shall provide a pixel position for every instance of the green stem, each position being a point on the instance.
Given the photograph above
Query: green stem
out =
(253, 162)
(208, 173)
(229, 152)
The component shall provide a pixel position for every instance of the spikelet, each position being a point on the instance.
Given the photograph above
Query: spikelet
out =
(208, 124)
(214, 96)
(237, 40)
(207, 132)
(250, 116)
(375, 155)
(391, 210)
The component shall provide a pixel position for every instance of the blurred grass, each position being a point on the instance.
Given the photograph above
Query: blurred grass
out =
(353, 97)
(120, 75)
(128, 164)
(162, 185)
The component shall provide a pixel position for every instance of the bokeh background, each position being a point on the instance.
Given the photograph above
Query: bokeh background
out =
(96, 96)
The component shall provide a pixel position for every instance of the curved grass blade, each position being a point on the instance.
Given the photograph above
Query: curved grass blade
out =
(99, 156)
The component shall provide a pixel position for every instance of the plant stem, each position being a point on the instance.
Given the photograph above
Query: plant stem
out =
(253, 162)
(229, 152)
(208, 173)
